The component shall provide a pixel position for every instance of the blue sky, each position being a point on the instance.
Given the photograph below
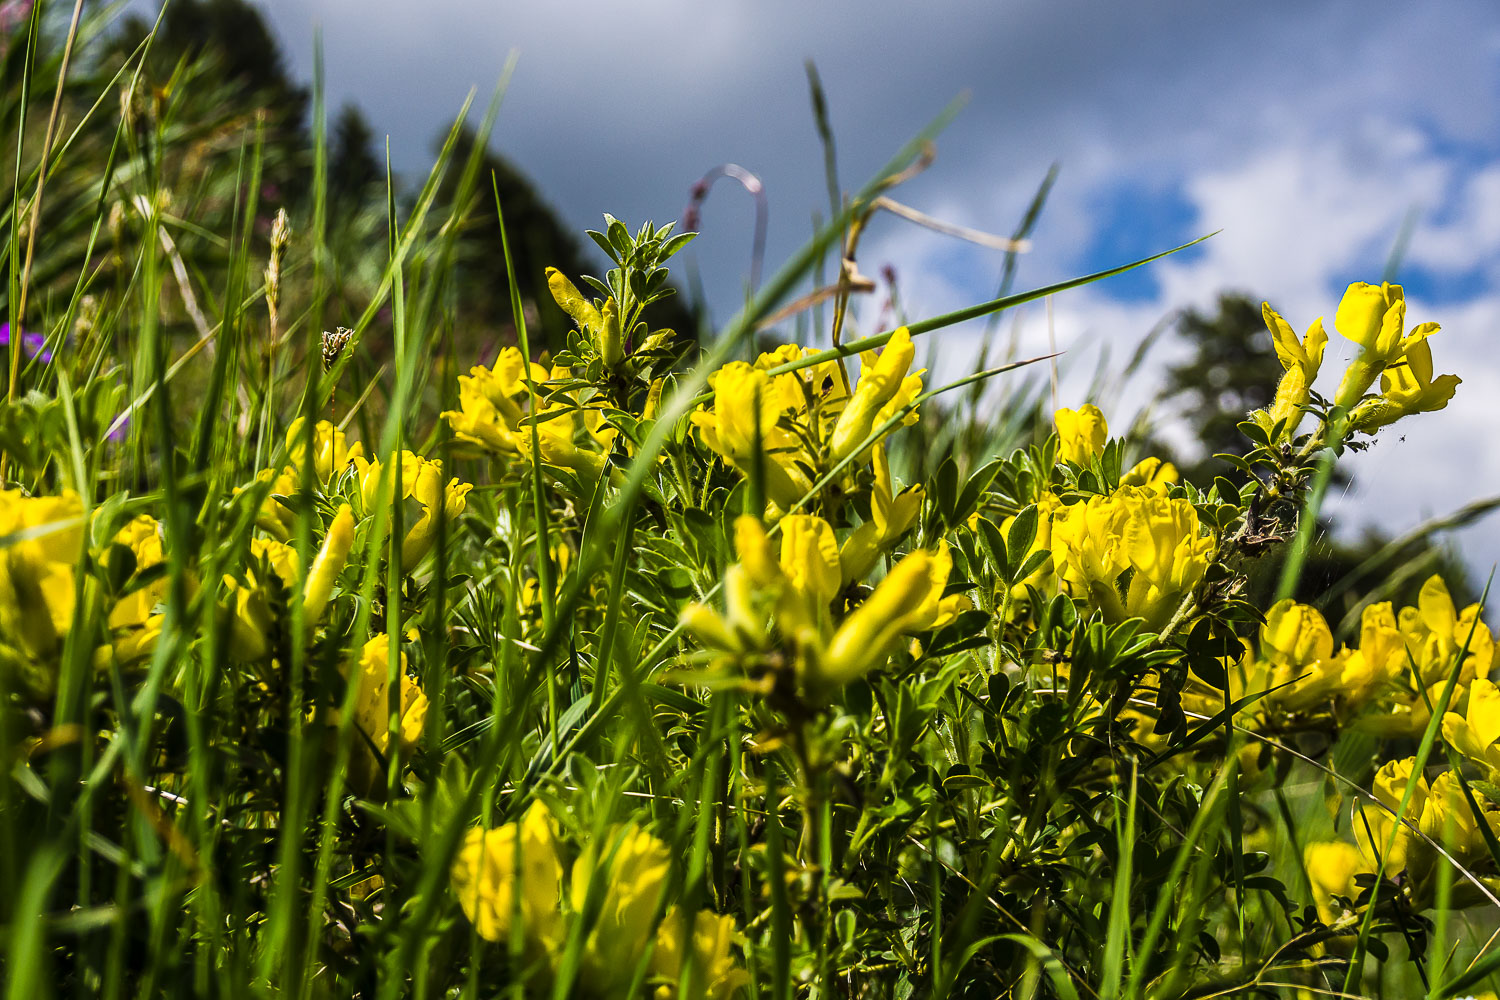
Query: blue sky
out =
(1304, 131)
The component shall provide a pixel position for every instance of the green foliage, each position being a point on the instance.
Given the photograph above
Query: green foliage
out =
(619, 667)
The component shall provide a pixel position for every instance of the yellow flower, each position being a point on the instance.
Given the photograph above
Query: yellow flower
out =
(492, 404)
(744, 401)
(557, 438)
(1298, 643)
(815, 395)
(36, 570)
(1081, 432)
(698, 953)
(1299, 359)
(142, 536)
(809, 564)
(1435, 633)
(372, 703)
(328, 563)
(1406, 387)
(132, 621)
(1476, 732)
(633, 871)
(1374, 317)
(752, 547)
(332, 452)
(1331, 869)
(1093, 543)
(935, 610)
(513, 870)
(891, 516)
(1153, 474)
(1448, 819)
(422, 481)
(253, 600)
(757, 572)
(866, 636)
(883, 388)
(273, 566)
(1087, 553)
(1388, 787)
(1169, 551)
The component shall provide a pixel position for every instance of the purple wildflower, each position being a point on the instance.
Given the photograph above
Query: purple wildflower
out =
(32, 344)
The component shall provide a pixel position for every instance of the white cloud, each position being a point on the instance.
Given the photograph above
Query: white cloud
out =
(1304, 131)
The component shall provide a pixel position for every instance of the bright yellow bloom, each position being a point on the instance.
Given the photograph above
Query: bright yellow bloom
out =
(1081, 432)
(865, 638)
(1476, 732)
(422, 481)
(275, 517)
(1297, 642)
(253, 600)
(698, 953)
(1160, 539)
(142, 536)
(36, 571)
(1374, 317)
(557, 439)
(1406, 387)
(935, 611)
(328, 563)
(1331, 869)
(803, 575)
(1300, 359)
(332, 452)
(1169, 551)
(1388, 787)
(744, 402)
(635, 869)
(1152, 473)
(492, 404)
(372, 703)
(815, 395)
(882, 390)
(810, 558)
(273, 567)
(891, 516)
(134, 625)
(752, 547)
(1446, 816)
(1435, 633)
(1087, 553)
(513, 870)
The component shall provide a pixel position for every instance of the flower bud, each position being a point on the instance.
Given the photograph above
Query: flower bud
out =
(328, 564)
(572, 302)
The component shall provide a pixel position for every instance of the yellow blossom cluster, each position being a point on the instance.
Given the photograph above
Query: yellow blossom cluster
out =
(789, 595)
(274, 567)
(1132, 553)
(1373, 318)
(800, 424)
(1410, 834)
(40, 587)
(1383, 685)
(614, 897)
(372, 709)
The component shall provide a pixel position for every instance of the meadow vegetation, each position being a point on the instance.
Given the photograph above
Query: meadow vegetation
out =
(385, 617)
